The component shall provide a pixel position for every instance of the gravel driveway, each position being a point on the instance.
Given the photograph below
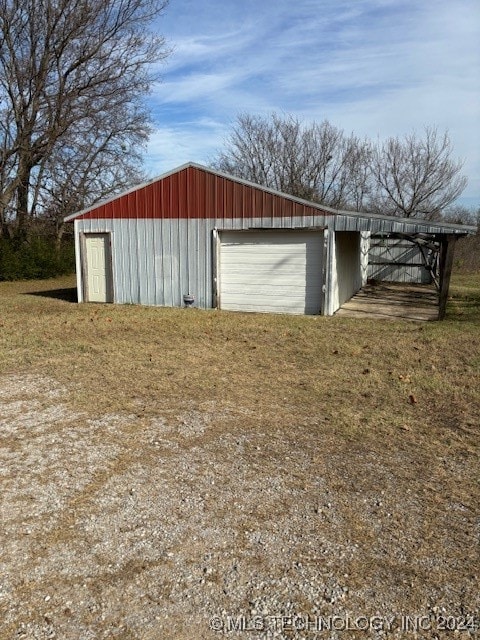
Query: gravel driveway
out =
(201, 525)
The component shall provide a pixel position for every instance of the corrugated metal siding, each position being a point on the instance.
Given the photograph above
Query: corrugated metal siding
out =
(194, 193)
(156, 262)
(395, 260)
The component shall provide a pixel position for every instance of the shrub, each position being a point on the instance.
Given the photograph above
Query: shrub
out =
(35, 257)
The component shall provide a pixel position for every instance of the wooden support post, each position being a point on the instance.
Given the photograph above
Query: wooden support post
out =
(447, 248)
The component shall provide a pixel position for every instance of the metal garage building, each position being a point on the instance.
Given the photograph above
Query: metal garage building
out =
(229, 244)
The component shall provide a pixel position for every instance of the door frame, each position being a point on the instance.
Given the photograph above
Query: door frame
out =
(108, 264)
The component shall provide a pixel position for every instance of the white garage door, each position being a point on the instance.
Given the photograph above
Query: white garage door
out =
(272, 271)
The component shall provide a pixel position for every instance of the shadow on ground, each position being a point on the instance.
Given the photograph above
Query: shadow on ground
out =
(68, 295)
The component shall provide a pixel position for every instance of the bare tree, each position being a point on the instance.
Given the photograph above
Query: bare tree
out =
(416, 176)
(403, 177)
(317, 162)
(99, 168)
(460, 214)
(72, 79)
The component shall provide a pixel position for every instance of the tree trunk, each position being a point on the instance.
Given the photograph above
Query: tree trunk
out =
(59, 234)
(23, 187)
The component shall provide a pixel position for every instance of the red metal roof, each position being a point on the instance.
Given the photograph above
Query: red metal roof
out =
(193, 191)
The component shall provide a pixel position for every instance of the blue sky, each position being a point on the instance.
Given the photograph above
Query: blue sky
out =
(373, 67)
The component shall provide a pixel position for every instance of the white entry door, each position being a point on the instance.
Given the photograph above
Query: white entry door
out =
(271, 271)
(98, 267)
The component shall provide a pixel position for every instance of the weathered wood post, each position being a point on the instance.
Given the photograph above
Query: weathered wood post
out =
(447, 249)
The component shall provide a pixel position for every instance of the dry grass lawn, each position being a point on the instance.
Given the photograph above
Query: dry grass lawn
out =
(163, 466)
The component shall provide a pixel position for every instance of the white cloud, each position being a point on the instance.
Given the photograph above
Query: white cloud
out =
(172, 146)
(375, 67)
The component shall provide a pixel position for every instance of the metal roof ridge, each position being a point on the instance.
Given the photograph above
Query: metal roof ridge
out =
(326, 209)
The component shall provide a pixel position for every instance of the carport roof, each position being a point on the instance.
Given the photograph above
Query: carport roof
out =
(344, 220)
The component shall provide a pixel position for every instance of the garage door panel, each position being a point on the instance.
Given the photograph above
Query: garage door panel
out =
(253, 267)
(247, 301)
(267, 261)
(262, 290)
(262, 280)
(262, 255)
(259, 306)
(277, 272)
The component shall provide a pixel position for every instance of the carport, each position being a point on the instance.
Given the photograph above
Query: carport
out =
(435, 244)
